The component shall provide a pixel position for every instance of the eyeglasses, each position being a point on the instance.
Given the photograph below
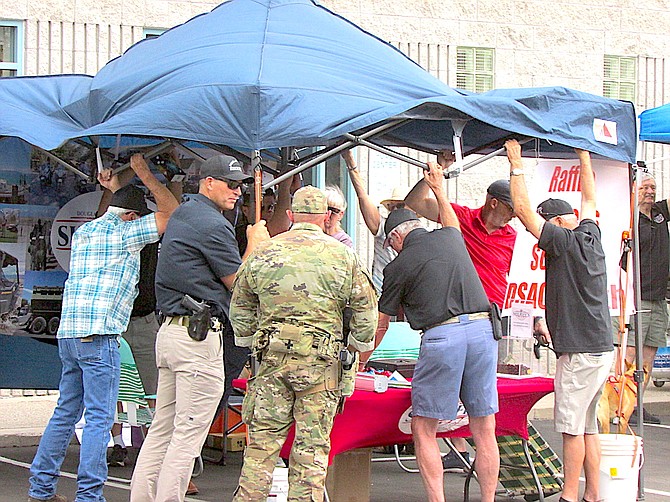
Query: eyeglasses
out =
(334, 210)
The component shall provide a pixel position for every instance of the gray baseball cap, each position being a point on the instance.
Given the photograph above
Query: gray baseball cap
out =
(224, 167)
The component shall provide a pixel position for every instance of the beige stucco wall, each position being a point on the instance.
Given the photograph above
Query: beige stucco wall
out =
(538, 43)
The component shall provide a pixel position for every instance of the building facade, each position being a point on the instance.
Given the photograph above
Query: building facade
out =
(616, 48)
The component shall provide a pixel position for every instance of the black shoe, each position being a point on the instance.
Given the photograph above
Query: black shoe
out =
(118, 456)
(647, 418)
(451, 463)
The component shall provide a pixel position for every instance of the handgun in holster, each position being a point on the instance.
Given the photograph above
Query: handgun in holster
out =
(200, 320)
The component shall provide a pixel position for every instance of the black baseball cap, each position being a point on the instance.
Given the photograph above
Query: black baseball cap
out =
(395, 218)
(224, 167)
(131, 198)
(500, 190)
(551, 208)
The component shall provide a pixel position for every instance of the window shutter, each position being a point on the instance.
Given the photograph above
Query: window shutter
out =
(619, 77)
(475, 68)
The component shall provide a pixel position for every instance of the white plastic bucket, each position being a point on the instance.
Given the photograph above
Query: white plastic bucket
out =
(279, 490)
(620, 461)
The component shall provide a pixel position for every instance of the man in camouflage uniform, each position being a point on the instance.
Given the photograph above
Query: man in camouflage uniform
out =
(288, 301)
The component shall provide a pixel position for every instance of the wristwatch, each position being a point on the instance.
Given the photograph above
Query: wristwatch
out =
(516, 172)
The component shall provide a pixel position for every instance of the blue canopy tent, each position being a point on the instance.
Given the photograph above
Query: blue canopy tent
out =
(265, 74)
(655, 124)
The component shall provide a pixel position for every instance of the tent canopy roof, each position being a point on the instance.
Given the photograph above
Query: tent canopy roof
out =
(261, 74)
(655, 124)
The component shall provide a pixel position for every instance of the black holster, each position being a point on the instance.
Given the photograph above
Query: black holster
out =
(496, 321)
(199, 324)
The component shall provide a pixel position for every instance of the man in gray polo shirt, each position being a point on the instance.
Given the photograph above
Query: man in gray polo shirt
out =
(199, 257)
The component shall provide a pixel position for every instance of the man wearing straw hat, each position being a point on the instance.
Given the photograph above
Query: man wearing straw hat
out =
(375, 223)
(577, 316)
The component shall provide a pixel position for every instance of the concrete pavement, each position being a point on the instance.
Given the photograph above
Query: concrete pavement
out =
(22, 420)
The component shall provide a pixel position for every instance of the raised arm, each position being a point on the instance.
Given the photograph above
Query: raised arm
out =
(526, 214)
(420, 200)
(166, 203)
(279, 222)
(111, 183)
(588, 186)
(368, 208)
(434, 178)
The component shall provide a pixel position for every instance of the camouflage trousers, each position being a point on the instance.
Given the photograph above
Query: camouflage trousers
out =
(278, 395)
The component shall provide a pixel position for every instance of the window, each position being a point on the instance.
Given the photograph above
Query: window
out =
(11, 48)
(474, 68)
(619, 77)
(153, 32)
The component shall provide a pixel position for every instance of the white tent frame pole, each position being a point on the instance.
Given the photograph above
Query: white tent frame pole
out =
(639, 373)
(333, 151)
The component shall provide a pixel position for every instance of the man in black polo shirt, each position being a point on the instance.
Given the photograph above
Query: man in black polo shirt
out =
(434, 281)
(577, 316)
(654, 259)
(199, 257)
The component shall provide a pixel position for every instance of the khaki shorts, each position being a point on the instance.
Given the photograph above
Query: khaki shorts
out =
(653, 324)
(578, 386)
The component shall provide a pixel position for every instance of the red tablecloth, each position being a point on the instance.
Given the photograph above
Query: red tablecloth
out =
(371, 419)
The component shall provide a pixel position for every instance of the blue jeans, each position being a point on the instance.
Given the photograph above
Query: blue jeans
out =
(90, 381)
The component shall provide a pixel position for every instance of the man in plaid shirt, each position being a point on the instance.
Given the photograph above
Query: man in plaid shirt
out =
(97, 302)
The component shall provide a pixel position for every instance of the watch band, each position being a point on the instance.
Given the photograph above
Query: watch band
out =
(516, 172)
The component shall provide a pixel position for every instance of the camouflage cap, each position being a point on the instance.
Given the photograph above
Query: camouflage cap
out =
(309, 200)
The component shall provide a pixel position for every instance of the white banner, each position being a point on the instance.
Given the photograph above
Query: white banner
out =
(559, 179)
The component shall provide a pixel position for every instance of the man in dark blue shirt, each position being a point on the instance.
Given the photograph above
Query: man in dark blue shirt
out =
(577, 317)
(199, 257)
(434, 281)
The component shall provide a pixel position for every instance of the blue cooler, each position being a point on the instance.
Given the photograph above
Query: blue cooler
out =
(660, 372)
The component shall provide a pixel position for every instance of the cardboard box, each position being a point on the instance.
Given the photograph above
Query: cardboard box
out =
(348, 477)
(215, 440)
(236, 441)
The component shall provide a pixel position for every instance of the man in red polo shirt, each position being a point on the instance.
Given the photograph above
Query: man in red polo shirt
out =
(488, 236)
(489, 240)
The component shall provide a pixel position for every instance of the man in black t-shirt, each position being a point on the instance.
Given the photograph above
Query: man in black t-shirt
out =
(577, 317)
(654, 245)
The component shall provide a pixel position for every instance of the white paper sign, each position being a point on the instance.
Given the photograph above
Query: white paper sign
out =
(559, 179)
(521, 321)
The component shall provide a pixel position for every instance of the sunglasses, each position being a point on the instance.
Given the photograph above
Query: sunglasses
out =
(334, 210)
(233, 185)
